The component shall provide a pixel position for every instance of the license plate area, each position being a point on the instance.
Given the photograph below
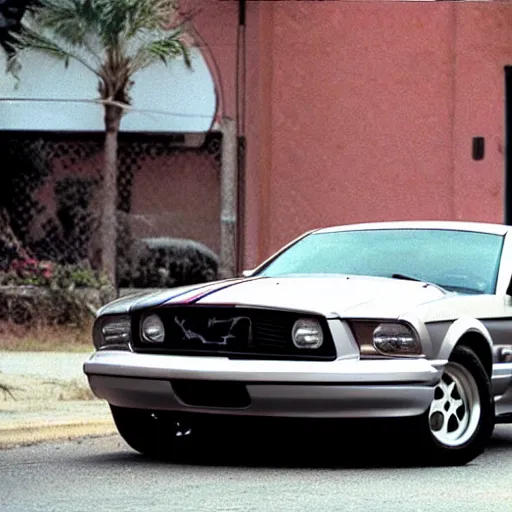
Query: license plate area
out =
(220, 394)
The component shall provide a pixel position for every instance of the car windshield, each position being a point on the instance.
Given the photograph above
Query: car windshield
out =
(460, 261)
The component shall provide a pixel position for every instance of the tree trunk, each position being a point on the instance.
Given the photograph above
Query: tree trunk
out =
(109, 200)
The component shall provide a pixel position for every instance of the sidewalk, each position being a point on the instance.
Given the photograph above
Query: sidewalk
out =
(49, 398)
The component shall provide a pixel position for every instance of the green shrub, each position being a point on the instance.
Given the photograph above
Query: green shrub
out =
(34, 291)
(38, 305)
(166, 262)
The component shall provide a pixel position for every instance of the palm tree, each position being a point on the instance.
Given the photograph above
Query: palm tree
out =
(114, 39)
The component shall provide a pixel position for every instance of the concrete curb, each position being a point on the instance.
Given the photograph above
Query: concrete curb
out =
(48, 398)
(18, 434)
(25, 422)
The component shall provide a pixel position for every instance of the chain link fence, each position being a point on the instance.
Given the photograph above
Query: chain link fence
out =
(168, 207)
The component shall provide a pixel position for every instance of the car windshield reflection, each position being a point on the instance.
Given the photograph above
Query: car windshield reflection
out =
(464, 262)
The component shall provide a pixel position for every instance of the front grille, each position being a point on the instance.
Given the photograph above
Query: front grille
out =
(232, 332)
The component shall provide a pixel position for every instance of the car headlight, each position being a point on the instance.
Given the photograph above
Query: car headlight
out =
(112, 331)
(307, 333)
(152, 329)
(396, 339)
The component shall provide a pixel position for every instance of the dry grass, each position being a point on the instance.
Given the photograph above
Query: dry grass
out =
(76, 390)
(42, 338)
(7, 390)
(29, 390)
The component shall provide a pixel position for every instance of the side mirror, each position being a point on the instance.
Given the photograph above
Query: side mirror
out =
(247, 273)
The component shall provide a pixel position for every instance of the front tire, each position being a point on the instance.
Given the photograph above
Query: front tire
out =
(456, 427)
(145, 431)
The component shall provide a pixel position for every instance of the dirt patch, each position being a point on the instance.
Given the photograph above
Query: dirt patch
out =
(34, 410)
(46, 396)
(17, 389)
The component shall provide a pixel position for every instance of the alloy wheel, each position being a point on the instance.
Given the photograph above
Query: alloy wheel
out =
(455, 412)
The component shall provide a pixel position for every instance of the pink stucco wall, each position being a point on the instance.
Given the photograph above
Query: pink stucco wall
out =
(217, 23)
(483, 47)
(177, 195)
(362, 111)
(372, 114)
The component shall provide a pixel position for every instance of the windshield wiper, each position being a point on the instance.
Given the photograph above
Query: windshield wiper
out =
(462, 289)
(444, 287)
(406, 278)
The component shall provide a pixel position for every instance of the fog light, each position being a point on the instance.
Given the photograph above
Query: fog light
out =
(153, 329)
(396, 339)
(307, 333)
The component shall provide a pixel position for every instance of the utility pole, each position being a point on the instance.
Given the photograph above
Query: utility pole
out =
(228, 198)
(240, 135)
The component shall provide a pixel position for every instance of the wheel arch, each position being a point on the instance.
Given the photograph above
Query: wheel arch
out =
(476, 342)
(473, 334)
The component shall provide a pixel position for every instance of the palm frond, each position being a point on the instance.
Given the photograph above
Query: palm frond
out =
(123, 19)
(112, 38)
(164, 48)
(64, 20)
(72, 22)
(14, 68)
(31, 39)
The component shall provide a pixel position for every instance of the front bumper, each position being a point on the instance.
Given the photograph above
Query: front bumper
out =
(339, 389)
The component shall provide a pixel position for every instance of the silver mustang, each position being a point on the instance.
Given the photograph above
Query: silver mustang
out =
(385, 320)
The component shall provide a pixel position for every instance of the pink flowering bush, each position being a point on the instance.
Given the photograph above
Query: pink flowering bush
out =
(30, 271)
(43, 292)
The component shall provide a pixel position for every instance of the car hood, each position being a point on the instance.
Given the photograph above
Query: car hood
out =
(332, 296)
(146, 299)
(340, 296)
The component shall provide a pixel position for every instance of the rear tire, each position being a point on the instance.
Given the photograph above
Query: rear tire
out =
(459, 422)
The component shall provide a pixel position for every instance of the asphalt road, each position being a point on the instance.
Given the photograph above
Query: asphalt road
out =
(104, 475)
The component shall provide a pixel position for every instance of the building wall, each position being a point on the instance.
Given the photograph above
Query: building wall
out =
(360, 111)
(177, 195)
(366, 111)
(483, 35)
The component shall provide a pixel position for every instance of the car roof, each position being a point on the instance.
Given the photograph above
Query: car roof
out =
(479, 227)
